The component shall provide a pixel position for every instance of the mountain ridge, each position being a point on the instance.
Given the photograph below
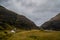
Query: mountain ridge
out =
(10, 18)
(52, 24)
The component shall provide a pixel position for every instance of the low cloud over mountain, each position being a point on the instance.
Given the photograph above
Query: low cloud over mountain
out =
(36, 10)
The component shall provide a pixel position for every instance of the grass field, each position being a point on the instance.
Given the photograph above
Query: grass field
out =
(36, 35)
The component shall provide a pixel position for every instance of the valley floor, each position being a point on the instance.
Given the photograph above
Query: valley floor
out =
(36, 35)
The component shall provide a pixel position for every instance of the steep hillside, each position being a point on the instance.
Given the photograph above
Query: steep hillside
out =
(24, 23)
(10, 20)
(53, 24)
(7, 18)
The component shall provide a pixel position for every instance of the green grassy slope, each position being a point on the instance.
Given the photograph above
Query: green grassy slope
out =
(36, 35)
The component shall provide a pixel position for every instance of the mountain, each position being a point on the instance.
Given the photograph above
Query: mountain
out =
(10, 20)
(52, 24)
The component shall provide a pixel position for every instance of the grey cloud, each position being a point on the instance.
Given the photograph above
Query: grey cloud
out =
(38, 11)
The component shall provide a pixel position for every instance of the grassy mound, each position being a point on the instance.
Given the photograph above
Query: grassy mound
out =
(36, 35)
(4, 35)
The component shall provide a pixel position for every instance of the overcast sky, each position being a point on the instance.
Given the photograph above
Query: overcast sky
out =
(39, 11)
